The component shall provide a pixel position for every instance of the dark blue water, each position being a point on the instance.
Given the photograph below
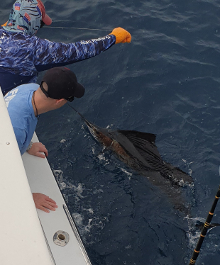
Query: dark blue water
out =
(167, 82)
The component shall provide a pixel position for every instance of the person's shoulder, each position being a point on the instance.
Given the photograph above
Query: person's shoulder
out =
(29, 86)
(23, 88)
(27, 89)
(21, 91)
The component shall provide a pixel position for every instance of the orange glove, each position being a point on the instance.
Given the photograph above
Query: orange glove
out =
(121, 35)
(5, 24)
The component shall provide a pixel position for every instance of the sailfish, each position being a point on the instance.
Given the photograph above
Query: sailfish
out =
(139, 152)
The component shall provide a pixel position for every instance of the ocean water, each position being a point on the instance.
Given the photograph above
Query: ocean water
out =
(167, 82)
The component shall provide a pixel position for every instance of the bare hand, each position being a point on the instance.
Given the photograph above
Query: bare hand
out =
(44, 202)
(38, 149)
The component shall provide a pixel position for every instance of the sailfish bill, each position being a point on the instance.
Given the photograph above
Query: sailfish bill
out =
(139, 152)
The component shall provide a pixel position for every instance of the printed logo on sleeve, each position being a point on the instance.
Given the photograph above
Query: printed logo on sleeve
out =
(10, 95)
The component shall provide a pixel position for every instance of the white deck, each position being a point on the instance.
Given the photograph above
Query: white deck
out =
(23, 241)
(41, 180)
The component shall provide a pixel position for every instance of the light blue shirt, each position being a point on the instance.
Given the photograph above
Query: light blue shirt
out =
(21, 112)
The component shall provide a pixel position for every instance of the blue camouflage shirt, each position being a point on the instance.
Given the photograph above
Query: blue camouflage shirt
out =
(23, 55)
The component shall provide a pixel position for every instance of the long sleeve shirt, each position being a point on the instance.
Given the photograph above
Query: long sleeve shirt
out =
(22, 56)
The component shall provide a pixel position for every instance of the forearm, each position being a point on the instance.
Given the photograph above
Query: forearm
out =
(58, 54)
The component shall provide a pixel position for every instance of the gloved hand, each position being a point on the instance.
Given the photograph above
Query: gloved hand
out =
(5, 24)
(121, 35)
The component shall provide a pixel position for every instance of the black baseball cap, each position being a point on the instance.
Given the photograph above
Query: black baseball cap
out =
(62, 83)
